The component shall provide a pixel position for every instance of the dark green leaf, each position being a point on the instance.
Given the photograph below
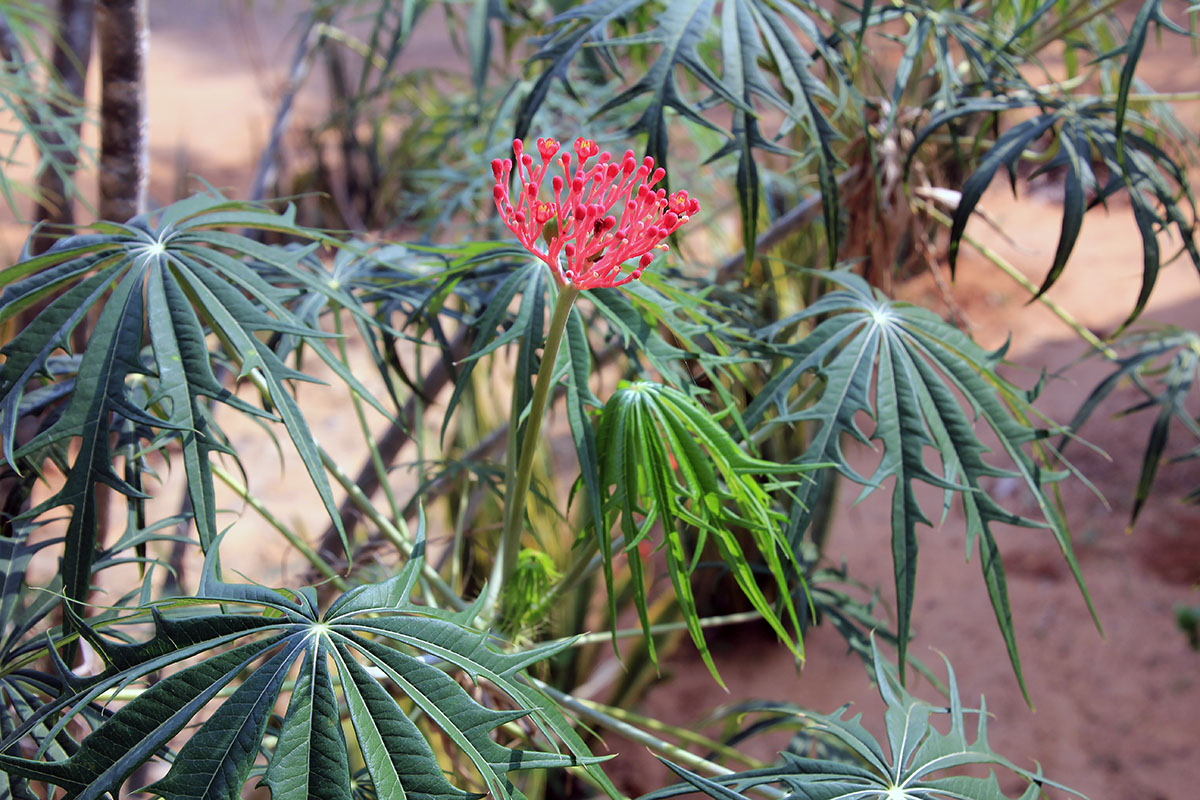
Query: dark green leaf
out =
(1005, 152)
(215, 761)
(310, 761)
(412, 648)
(919, 366)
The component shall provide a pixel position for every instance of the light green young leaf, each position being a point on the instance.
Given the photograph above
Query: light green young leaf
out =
(664, 460)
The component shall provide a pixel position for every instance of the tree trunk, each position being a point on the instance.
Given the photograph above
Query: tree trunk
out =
(72, 52)
(122, 32)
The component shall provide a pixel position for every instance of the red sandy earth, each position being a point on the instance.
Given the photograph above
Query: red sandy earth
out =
(1117, 717)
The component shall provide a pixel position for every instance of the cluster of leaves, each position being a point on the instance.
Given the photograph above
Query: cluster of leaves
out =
(372, 632)
(906, 368)
(1089, 135)
(750, 33)
(673, 467)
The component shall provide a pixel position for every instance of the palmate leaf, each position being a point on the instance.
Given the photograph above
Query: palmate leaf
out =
(912, 767)
(751, 34)
(370, 638)
(667, 463)
(681, 27)
(906, 368)
(660, 326)
(180, 277)
(583, 25)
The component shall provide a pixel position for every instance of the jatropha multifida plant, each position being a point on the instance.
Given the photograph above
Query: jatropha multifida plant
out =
(458, 642)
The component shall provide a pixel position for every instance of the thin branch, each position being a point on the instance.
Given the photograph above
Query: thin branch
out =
(597, 714)
(396, 436)
(302, 60)
(1008, 269)
(297, 542)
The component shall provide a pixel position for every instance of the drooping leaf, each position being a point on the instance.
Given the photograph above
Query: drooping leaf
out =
(578, 26)
(1088, 138)
(906, 369)
(1005, 153)
(664, 460)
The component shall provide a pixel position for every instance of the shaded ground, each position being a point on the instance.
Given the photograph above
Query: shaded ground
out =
(1116, 716)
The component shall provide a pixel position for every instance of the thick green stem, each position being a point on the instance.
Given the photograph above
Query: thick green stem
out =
(514, 511)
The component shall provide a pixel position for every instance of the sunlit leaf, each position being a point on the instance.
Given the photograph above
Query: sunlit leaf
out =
(179, 277)
(372, 636)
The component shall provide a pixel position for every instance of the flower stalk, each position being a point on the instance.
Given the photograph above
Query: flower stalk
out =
(589, 225)
(514, 509)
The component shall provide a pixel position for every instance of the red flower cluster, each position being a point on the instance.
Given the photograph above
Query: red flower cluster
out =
(610, 213)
